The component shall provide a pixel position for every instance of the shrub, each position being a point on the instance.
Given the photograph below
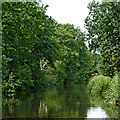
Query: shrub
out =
(111, 95)
(106, 87)
(24, 75)
(99, 84)
(9, 87)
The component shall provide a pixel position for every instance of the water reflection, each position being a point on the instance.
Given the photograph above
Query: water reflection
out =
(96, 112)
(70, 101)
(42, 109)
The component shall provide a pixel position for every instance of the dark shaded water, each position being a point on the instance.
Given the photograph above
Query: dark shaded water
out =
(70, 101)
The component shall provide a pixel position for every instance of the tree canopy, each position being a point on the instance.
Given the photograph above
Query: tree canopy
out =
(38, 51)
(103, 25)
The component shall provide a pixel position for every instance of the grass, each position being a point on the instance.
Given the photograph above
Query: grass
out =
(105, 87)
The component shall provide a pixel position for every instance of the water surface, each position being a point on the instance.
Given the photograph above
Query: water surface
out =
(69, 101)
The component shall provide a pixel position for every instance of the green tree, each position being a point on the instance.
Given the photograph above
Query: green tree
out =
(27, 33)
(103, 35)
(38, 51)
(72, 52)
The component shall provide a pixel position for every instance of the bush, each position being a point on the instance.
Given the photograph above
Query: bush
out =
(24, 75)
(111, 95)
(106, 87)
(9, 87)
(99, 84)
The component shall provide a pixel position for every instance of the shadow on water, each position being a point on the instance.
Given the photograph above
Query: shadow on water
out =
(69, 101)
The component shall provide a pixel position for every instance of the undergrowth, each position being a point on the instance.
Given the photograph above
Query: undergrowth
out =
(105, 87)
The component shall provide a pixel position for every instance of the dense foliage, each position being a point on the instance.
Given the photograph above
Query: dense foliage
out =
(106, 87)
(103, 35)
(25, 27)
(38, 51)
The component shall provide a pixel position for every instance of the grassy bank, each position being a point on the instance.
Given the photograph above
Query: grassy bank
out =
(106, 87)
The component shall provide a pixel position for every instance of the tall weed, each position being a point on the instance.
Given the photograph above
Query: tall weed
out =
(106, 87)
(111, 95)
(99, 84)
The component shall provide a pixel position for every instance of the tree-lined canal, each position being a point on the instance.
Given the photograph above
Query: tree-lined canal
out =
(69, 101)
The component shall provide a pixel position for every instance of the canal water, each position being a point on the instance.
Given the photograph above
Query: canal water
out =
(69, 101)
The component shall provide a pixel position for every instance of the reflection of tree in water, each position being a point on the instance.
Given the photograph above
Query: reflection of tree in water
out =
(110, 109)
(42, 111)
(70, 101)
(18, 107)
(8, 106)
